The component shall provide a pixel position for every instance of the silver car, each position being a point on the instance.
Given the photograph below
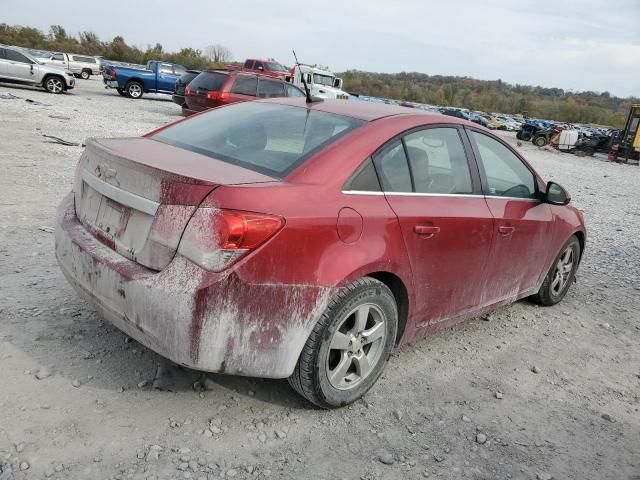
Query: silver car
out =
(19, 66)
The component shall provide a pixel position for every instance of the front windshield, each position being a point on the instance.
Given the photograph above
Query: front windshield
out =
(275, 67)
(264, 137)
(323, 79)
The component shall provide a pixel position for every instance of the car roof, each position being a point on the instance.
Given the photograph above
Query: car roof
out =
(361, 110)
(240, 73)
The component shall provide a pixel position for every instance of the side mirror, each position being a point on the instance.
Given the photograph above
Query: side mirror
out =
(556, 194)
(337, 83)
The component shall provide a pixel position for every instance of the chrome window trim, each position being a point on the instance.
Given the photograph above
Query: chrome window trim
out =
(416, 194)
(123, 197)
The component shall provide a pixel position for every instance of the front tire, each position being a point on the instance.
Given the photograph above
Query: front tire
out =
(559, 278)
(134, 90)
(348, 348)
(54, 84)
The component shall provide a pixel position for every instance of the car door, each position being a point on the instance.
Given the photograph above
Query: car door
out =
(166, 78)
(59, 59)
(447, 227)
(19, 67)
(3, 63)
(523, 222)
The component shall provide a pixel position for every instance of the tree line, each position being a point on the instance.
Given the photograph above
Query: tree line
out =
(493, 96)
(486, 95)
(88, 43)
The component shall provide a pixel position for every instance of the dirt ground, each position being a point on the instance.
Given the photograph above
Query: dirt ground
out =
(529, 393)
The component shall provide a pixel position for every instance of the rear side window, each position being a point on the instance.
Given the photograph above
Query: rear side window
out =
(248, 64)
(209, 81)
(506, 175)
(3, 55)
(364, 179)
(268, 138)
(438, 161)
(393, 168)
(270, 89)
(245, 86)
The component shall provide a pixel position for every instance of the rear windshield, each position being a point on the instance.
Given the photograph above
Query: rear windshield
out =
(268, 138)
(209, 81)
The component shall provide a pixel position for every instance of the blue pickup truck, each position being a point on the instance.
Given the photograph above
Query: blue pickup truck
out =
(158, 77)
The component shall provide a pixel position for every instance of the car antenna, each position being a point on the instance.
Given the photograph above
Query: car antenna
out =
(307, 92)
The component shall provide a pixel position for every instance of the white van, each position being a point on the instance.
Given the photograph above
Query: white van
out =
(81, 65)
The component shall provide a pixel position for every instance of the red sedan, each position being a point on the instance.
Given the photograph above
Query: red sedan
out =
(297, 240)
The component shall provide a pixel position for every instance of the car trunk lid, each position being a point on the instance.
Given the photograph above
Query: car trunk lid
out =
(137, 195)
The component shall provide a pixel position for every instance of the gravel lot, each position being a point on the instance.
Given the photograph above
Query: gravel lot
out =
(530, 393)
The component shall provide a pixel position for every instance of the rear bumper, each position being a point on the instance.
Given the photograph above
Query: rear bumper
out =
(178, 99)
(211, 322)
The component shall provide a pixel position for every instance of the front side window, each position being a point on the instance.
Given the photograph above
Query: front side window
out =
(245, 86)
(393, 168)
(179, 69)
(59, 56)
(438, 161)
(270, 89)
(506, 175)
(258, 66)
(166, 69)
(248, 64)
(269, 138)
(14, 56)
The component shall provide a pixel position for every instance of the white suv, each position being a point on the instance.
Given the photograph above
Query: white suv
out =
(18, 66)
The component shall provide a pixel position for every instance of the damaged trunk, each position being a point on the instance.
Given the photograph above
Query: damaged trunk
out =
(138, 203)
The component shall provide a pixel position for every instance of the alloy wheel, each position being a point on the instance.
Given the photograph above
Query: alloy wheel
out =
(356, 346)
(134, 90)
(562, 272)
(54, 85)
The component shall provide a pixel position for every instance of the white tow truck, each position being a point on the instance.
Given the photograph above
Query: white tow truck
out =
(321, 81)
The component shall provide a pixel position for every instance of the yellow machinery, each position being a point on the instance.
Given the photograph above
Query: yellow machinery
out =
(627, 146)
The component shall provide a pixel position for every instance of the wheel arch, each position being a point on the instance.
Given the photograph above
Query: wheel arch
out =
(401, 295)
(580, 235)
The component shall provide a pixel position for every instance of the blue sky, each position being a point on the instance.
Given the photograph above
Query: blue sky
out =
(575, 45)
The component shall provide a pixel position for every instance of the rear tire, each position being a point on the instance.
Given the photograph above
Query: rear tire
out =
(562, 273)
(54, 84)
(85, 74)
(525, 136)
(519, 135)
(348, 348)
(540, 141)
(134, 89)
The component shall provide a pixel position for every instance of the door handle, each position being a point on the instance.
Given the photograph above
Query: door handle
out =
(426, 230)
(506, 230)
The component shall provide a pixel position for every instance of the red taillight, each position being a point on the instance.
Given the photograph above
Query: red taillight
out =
(187, 90)
(219, 96)
(113, 73)
(243, 230)
(215, 238)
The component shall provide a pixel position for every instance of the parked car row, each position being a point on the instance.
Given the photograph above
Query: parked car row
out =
(20, 67)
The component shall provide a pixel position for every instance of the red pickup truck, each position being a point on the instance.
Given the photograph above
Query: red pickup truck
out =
(266, 67)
